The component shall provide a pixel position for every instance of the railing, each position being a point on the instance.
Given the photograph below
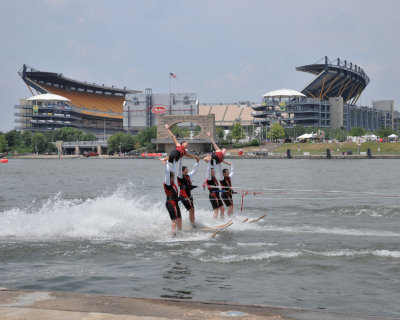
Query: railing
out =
(84, 144)
(40, 116)
(69, 108)
(291, 104)
(188, 139)
(49, 107)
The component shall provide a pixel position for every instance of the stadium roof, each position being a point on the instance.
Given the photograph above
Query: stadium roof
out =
(283, 93)
(47, 97)
(34, 78)
(335, 79)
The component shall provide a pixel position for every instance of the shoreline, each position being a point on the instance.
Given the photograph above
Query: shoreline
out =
(275, 156)
(19, 304)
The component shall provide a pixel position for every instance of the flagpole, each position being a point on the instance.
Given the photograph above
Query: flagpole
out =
(169, 92)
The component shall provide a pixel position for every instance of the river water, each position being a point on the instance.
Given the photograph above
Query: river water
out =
(330, 239)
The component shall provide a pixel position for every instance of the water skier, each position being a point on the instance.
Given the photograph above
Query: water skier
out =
(217, 155)
(213, 187)
(178, 152)
(226, 186)
(172, 205)
(185, 185)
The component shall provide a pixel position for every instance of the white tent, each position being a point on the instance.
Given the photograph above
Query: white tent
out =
(305, 136)
(283, 93)
(47, 97)
(369, 137)
(393, 136)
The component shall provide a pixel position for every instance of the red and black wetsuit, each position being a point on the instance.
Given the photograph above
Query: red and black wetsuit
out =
(176, 154)
(185, 184)
(214, 197)
(172, 201)
(226, 185)
(217, 156)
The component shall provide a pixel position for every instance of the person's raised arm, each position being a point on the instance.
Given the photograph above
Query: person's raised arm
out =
(212, 141)
(219, 170)
(208, 174)
(191, 156)
(194, 170)
(172, 135)
(232, 171)
(167, 179)
(180, 175)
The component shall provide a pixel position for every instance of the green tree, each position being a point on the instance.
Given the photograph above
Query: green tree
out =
(384, 132)
(289, 133)
(128, 143)
(185, 133)
(26, 137)
(220, 132)
(39, 143)
(115, 141)
(338, 134)
(299, 130)
(144, 136)
(357, 132)
(68, 134)
(196, 130)
(89, 136)
(3, 143)
(277, 131)
(13, 138)
(177, 131)
(237, 131)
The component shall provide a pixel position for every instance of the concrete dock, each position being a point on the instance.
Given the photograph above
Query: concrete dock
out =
(41, 305)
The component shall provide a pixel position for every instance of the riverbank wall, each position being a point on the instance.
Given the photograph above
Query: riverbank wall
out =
(266, 157)
(44, 305)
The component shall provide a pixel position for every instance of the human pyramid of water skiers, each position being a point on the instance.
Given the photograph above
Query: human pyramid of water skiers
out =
(218, 188)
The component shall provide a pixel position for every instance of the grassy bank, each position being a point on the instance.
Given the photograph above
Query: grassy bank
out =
(318, 148)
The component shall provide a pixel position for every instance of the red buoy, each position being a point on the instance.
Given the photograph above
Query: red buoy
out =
(3, 160)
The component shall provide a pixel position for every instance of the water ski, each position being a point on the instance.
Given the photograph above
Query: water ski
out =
(219, 227)
(259, 218)
(214, 234)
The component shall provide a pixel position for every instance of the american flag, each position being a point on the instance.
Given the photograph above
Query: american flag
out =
(172, 75)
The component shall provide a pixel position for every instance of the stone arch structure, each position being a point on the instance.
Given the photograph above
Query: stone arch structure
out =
(199, 144)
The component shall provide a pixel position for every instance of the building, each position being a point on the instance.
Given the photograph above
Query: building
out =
(87, 106)
(141, 109)
(386, 108)
(328, 101)
(227, 114)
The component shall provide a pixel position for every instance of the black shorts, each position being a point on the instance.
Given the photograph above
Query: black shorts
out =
(174, 155)
(227, 199)
(173, 210)
(215, 158)
(215, 200)
(188, 203)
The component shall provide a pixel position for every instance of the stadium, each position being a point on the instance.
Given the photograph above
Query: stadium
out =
(88, 107)
(328, 101)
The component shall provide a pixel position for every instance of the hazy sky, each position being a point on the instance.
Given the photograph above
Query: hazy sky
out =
(225, 51)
